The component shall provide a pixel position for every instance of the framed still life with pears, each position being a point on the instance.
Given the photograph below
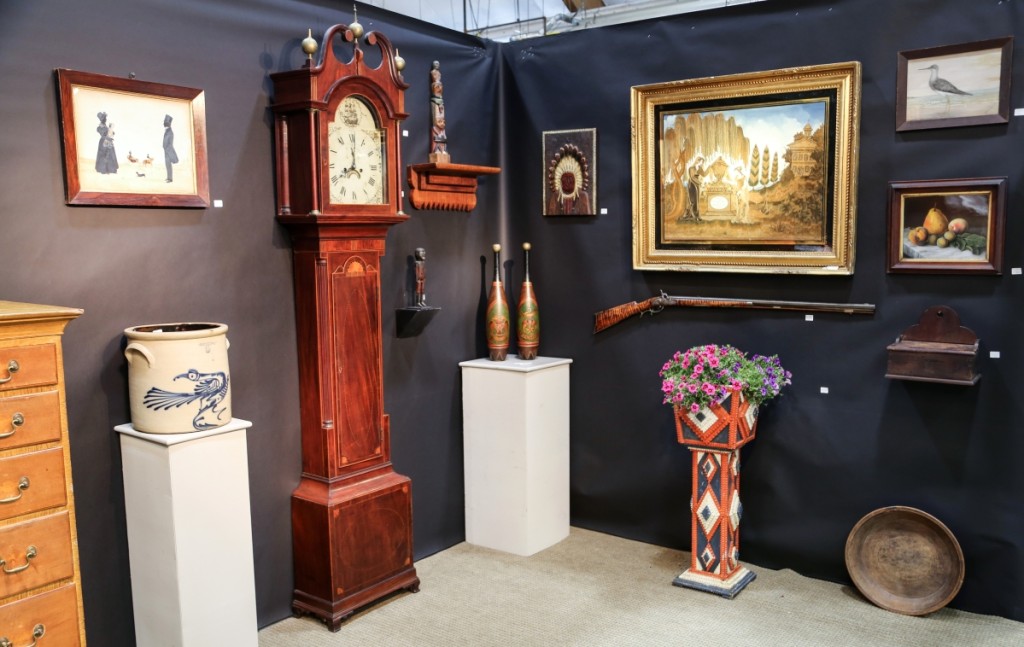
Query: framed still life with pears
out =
(132, 143)
(947, 226)
(747, 173)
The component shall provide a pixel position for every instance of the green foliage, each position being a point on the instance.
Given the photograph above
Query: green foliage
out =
(977, 244)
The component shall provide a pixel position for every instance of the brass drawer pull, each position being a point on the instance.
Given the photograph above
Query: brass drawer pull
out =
(37, 633)
(17, 420)
(22, 486)
(12, 368)
(30, 553)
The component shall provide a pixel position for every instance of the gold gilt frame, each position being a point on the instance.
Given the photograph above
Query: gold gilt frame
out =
(752, 173)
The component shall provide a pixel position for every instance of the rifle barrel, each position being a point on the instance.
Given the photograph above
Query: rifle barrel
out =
(767, 304)
(612, 316)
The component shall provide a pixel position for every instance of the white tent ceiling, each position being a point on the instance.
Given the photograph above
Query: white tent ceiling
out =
(514, 19)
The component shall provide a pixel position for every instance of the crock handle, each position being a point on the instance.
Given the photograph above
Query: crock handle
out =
(141, 350)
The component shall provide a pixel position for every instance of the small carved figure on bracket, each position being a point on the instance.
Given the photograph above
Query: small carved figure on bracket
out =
(421, 277)
(411, 320)
(438, 136)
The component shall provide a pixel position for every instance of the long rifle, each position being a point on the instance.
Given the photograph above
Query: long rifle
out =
(608, 318)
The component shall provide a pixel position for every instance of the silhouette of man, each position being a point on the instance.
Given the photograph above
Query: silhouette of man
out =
(170, 157)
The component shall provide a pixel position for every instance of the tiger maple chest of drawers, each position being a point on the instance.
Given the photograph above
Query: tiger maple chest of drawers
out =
(40, 587)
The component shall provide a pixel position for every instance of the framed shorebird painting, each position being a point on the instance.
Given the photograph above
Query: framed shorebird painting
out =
(747, 173)
(132, 143)
(954, 85)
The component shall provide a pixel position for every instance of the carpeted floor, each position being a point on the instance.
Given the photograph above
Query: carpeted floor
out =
(597, 590)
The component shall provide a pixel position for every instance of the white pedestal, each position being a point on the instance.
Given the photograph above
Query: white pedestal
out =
(516, 447)
(190, 536)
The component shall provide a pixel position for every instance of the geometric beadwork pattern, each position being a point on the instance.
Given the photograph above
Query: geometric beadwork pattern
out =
(727, 424)
(707, 513)
(707, 468)
(715, 513)
(714, 435)
(735, 511)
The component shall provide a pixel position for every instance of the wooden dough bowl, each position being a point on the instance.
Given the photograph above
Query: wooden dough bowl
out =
(904, 560)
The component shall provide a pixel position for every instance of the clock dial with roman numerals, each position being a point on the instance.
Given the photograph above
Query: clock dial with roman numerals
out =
(356, 164)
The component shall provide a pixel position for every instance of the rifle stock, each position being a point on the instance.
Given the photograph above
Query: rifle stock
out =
(608, 318)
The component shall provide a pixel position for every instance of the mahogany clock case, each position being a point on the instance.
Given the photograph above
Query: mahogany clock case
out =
(821, 461)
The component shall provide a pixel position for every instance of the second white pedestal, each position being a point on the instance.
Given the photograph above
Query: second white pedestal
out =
(190, 536)
(516, 447)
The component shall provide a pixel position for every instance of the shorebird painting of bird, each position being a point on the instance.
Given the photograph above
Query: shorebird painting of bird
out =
(943, 87)
(210, 391)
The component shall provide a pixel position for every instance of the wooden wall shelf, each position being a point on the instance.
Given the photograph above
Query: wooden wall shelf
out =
(445, 187)
(935, 349)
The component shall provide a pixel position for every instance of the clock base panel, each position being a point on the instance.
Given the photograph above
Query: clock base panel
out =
(352, 544)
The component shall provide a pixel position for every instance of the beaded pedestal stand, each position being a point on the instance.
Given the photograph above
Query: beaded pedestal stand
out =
(714, 436)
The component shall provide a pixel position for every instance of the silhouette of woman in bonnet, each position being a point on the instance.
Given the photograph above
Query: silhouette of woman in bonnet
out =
(106, 158)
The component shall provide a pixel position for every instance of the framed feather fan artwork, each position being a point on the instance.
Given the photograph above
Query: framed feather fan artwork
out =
(570, 172)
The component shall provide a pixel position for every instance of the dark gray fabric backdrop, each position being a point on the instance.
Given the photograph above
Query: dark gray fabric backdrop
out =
(819, 463)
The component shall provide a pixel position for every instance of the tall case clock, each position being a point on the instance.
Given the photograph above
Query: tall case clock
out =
(337, 167)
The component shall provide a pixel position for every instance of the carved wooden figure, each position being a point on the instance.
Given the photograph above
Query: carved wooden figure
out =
(439, 184)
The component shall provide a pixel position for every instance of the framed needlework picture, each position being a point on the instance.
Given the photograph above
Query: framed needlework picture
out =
(747, 173)
(954, 85)
(570, 172)
(947, 226)
(132, 143)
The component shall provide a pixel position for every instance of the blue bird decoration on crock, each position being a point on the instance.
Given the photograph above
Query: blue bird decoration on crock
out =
(210, 391)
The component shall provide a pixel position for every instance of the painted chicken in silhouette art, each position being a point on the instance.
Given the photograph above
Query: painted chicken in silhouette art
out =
(210, 391)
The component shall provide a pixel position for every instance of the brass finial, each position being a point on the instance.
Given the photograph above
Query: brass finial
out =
(355, 27)
(496, 247)
(309, 45)
(399, 61)
(526, 246)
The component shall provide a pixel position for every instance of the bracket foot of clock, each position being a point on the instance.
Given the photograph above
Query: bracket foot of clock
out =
(445, 187)
(334, 614)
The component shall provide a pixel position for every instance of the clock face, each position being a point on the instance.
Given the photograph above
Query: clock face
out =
(356, 157)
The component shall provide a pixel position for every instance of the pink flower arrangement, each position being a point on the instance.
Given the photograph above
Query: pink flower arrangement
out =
(706, 374)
